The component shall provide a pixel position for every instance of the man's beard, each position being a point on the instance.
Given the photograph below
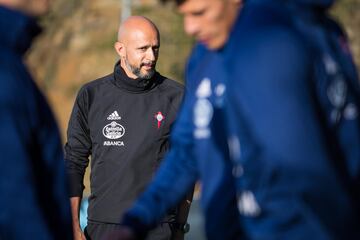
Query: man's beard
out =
(137, 71)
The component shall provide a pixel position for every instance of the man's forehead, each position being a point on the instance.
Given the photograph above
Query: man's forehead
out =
(191, 6)
(143, 35)
(143, 40)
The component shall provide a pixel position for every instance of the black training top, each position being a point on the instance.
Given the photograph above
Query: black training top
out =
(124, 124)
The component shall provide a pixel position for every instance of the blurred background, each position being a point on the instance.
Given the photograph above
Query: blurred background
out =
(77, 47)
(77, 44)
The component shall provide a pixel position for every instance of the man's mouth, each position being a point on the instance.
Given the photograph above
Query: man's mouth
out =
(148, 65)
(204, 41)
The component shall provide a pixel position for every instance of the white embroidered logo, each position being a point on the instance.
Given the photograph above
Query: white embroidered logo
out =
(220, 89)
(203, 110)
(114, 116)
(350, 112)
(331, 66)
(204, 89)
(113, 130)
(337, 92)
(247, 204)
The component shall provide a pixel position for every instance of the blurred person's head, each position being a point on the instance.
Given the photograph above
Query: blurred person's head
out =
(138, 47)
(33, 8)
(209, 21)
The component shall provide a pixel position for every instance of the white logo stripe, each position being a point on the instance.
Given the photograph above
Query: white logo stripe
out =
(114, 116)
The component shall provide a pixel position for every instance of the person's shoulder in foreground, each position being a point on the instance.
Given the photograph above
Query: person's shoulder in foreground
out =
(288, 67)
(32, 161)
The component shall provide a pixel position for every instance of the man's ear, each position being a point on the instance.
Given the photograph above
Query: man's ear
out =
(239, 3)
(120, 49)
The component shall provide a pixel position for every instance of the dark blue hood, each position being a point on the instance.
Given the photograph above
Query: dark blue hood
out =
(324, 4)
(316, 4)
(17, 30)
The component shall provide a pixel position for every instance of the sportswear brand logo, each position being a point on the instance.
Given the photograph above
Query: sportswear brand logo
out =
(114, 116)
(159, 117)
(113, 130)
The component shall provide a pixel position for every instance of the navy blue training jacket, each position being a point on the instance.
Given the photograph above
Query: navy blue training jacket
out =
(294, 113)
(34, 202)
(277, 109)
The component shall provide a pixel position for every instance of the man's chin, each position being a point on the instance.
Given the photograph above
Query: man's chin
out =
(148, 74)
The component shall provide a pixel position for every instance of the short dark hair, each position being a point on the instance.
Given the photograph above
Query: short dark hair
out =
(178, 2)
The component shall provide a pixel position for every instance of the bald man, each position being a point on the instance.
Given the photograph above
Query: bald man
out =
(123, 122)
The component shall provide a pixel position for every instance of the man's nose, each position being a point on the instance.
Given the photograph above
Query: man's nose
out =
(151, 54)
(190, 26)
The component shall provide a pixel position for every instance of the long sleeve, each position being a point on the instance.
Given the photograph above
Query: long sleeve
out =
(78, 146)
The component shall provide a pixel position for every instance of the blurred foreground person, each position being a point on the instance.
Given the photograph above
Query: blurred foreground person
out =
(123, 122)
(199, 140)
(278, 101)
(34, 203)
(293, 118)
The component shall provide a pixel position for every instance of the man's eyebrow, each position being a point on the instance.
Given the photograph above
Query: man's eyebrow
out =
(148, 46)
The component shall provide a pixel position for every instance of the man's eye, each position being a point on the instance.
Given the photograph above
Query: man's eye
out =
(198, 13)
